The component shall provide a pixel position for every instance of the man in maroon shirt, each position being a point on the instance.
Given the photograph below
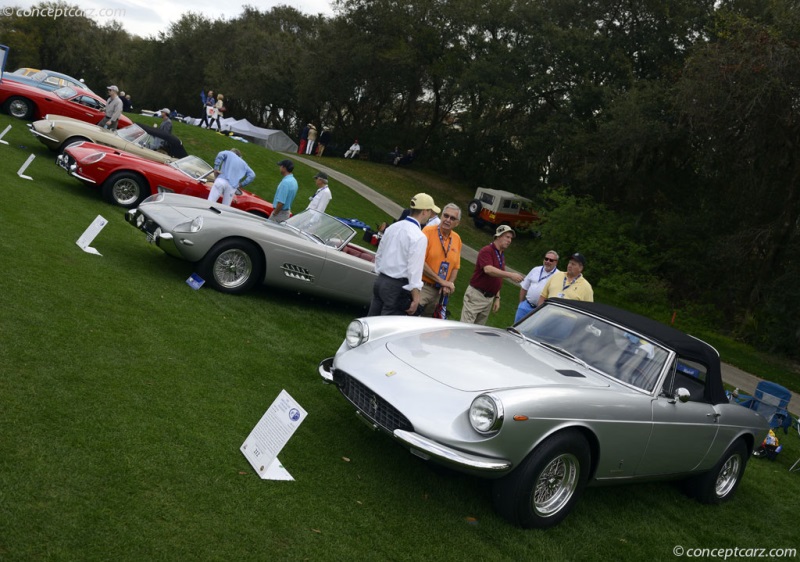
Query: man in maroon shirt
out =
(483, 293)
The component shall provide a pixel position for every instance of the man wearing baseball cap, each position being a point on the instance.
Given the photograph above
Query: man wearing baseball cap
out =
(483, 293)
(285, 194)
(113, 109)
(319, 201)
(570, 284)
(400, 260)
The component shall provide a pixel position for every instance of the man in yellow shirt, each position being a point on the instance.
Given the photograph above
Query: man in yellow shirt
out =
(442, 259)
(570, 284)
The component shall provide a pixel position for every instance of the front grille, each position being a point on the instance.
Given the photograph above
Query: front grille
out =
(371, 405)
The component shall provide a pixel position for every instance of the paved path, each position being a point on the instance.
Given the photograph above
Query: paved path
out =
(730, 374)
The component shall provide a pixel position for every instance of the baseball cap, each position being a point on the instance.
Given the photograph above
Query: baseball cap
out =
(113, 89)
(288, 164)
(165, 110)
(578, 258)
(321, 175)
(502, 229)
(423, 201)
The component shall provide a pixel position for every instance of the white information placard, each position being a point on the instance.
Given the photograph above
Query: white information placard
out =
(89, 235)
(269, 436)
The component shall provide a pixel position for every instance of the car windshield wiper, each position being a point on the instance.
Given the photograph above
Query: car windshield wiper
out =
(564, 352)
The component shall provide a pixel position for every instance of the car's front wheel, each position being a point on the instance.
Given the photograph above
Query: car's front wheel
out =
(125, 189)
(718, 484)
(18, 107)
(542, 491)
(233, 266)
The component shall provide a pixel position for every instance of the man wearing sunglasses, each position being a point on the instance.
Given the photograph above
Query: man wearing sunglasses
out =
(442, 259)
(533, 284)
(570, 284)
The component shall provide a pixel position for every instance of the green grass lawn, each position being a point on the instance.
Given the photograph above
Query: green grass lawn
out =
(125, 395)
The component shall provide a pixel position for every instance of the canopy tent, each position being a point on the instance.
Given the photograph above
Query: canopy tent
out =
(271, 138)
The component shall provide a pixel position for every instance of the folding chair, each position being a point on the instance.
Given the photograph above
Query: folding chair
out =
(796, 465)
(771, 400)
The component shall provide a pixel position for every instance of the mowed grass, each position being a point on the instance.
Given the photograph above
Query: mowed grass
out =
(125, 396)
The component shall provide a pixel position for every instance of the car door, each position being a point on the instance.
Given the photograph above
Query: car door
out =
(683, 432)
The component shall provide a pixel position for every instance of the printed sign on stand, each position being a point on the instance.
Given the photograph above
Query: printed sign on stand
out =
(269, 436)
(89, 235)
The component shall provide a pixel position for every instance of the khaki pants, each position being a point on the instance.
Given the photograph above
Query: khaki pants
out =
(428, 299)
(476, 307)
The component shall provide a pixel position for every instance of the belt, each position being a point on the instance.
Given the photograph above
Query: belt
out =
(486, 294)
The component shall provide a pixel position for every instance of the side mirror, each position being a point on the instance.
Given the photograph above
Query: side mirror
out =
(682, 395)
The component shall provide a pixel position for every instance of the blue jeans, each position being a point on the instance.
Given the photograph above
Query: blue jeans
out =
(523, 310)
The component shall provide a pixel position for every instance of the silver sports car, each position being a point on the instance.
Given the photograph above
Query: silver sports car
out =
(311, 252)
(575, 394)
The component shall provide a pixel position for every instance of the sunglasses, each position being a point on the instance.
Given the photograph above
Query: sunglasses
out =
(450, 217)
(550, 259)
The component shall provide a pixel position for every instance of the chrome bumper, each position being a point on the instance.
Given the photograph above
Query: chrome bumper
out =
(64, 161)
(164, 240)
(41, 136)
(429, 449)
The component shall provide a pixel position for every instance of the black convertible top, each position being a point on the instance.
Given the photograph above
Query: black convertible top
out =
(172, 144)
(685, 345)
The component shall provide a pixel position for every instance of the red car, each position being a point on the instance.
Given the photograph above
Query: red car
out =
(26, 102)
(126, 179)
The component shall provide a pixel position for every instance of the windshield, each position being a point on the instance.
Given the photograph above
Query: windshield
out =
(323, 228)
(618, 353)
(131, 133)
(192, 166)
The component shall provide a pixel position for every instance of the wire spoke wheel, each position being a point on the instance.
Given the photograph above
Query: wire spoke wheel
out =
(126, 191)
(233, 268)
(556, 484)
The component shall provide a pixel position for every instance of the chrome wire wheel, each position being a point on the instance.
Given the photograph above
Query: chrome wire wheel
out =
(232, 268)
(728, 476)
(556, 484)
(126, 192)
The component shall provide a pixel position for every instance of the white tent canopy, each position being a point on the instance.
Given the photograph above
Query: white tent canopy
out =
(271, 138)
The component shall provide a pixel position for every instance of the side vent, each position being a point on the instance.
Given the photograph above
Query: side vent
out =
(297, 272)
(570, 373)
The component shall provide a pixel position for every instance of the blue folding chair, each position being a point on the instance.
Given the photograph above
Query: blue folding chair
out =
(771, 400)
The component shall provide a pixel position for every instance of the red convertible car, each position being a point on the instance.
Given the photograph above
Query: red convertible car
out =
(26, 102)
(126, 179)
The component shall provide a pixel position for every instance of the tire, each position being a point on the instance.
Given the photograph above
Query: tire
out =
(233, 266)
(125, 189)
(474, 208)
(70, 141)
(542, 490)
(718, 484)
(21, 108)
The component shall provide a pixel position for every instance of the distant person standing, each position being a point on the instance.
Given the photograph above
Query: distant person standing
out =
(483, 294)
(126, 102)
(353, 151)
(570, 284)
(166, 123)
(319, 201)
(399, 261)
(233, 173)
(208, 108)
(219, 108)
(301, 148)
(534, 282)
(113, 109)
(324, 139)
(312, 140)
(285, 194)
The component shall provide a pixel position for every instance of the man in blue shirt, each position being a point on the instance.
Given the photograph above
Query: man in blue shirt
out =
(284, 196)
(233, 173)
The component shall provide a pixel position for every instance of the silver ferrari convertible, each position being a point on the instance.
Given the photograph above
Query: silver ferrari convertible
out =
(575, 394)
(311, 252)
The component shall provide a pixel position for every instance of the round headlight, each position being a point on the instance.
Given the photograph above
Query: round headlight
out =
(486, 414)
(357, 333)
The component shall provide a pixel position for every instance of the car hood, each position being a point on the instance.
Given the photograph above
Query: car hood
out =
(461, 359)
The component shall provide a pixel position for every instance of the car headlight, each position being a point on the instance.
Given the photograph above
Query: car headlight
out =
(157, 198)
(486, 414)
(357, 333)
(93, 158)
(194, 226)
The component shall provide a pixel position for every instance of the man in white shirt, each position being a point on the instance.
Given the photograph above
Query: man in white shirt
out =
(400, 260)
(353, 151)
(319, 201)
(534, 282)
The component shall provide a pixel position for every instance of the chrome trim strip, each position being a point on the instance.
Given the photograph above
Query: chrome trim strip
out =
(446, 455)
